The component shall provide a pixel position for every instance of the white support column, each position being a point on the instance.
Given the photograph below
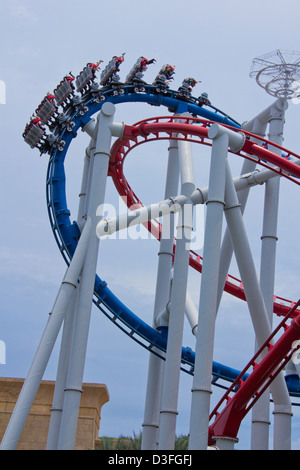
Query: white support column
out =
(258, 127)
(201, 391)
(261, 410)
(156, 365)
(30, 387)
(225, 443)
(69, 320)
(90, 129)
(84, 185)
(168, 414)
(81, 328)
(262, 118)
(282, 412)
(61, 375)
(108, 226)
(255, 300)
(191, 313)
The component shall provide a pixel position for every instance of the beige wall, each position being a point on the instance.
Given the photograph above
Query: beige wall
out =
(34, 436)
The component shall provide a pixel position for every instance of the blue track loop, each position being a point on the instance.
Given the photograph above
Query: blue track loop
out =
(67, 233)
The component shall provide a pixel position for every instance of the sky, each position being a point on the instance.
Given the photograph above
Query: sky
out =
(214, 42)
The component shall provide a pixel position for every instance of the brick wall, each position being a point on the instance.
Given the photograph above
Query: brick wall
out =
(34, 436)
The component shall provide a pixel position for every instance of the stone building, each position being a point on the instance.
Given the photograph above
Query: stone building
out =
(34, 436)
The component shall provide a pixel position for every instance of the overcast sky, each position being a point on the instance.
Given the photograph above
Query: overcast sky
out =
(214, 42)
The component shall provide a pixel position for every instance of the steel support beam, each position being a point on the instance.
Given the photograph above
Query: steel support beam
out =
(201, 390)
(162, 292)
(98, 180)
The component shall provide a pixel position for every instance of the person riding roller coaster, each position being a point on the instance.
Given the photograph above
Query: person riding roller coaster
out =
(35, 123)
(69, 79)
(188, 85)
(94, 67)
(164, 76)
(136, 73)
(168, 71)
(110, 73)
(118, 61)
(203, 99)
(185, 90)
(144, 63)
(50, 97)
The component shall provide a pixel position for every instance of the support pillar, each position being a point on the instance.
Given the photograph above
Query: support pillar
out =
(81, 328)
(69, 320)
(81, 216)
(156, 365)
(261, 410)
(225, 443)
(255, 300)
(61, 375)
(201, 390)
(168, 414)
(258, 127)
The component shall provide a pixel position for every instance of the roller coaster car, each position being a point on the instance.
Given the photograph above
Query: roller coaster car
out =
(64, 90)
(109, 74)
(86, 76)
(47, 109)
(166, 72)
(34, 133)
(136, 73)
(185, 90)
(203, 99)
(163, 78)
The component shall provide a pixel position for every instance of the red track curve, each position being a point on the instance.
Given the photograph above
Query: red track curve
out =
(227, 421)
(196, 130)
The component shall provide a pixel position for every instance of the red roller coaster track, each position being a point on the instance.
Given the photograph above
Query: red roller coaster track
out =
(227, 422)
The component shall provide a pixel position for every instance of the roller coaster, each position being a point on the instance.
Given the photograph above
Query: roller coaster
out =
(190, 120)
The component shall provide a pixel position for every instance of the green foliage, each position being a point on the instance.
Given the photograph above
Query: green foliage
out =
(181, 442)
(107, 443)
(135, 442)
(121, 443)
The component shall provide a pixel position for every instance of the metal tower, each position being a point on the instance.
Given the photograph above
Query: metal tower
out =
(277, 72)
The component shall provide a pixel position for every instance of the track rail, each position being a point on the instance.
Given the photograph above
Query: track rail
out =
(248, 391)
